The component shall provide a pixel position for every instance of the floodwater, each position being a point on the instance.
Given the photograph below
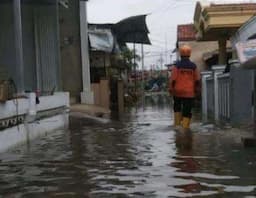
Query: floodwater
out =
(139, 155)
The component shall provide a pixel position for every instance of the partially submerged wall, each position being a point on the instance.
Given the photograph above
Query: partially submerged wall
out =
(22, 120)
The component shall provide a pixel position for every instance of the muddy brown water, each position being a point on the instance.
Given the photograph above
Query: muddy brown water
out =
(138, 155)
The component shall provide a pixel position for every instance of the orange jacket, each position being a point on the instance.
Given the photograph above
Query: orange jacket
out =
(184, 79)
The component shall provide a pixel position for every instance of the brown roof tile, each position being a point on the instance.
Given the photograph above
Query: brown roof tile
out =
(186, 32)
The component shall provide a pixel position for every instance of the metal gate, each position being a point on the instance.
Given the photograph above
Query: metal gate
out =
(224, 85)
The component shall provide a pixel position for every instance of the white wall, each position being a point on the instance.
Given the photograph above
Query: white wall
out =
(30, 129)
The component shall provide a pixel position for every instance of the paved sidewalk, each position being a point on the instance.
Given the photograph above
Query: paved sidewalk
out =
(92, 110)
(244, 134)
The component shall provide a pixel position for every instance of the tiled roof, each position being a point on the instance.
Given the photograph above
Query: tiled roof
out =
(186, 32)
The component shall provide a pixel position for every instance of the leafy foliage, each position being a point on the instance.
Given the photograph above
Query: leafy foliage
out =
(128, 58)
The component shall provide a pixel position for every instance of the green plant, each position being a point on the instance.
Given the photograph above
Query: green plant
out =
(128, 58)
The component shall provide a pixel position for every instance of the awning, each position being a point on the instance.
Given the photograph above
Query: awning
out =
(102, 40)
(132, 30)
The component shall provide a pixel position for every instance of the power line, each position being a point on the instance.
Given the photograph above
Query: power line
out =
(169, 6)
(157, 41)
(159, 51)
(156, 55)
(163, 6)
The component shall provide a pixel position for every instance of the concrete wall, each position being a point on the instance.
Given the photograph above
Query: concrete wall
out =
(241, 96)
(71, 65)
(101, 93)
(24, 133)
(247, 77)
(16, 107)
(37, 119)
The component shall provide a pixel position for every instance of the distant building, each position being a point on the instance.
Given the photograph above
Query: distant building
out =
(104, 51)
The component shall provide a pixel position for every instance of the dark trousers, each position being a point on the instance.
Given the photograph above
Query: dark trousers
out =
(183, 105)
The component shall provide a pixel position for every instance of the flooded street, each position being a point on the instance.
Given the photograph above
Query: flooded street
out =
(139, 155)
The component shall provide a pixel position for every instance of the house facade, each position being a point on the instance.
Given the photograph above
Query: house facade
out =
(228, 89)
(30, 71)
(245, 35)
(29, 45)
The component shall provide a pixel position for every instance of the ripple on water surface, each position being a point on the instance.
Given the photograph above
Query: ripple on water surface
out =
(138, 156)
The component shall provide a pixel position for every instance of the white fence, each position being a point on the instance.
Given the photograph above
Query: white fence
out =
(224, 86)
(216, 87)
(210, 96)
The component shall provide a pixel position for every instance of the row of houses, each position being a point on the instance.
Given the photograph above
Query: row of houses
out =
(228, 89)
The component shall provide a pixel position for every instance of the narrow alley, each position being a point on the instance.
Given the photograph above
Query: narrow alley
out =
(139, 155)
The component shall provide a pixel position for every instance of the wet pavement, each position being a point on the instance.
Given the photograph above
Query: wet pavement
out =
(139, 155)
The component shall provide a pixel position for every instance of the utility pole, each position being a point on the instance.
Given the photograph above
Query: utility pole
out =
(142, 75)
(134, 65)
(142, 67)
(166, 54)
(171, 58)
(161, 61)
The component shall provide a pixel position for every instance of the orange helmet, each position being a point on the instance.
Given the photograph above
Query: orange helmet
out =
(185, 50)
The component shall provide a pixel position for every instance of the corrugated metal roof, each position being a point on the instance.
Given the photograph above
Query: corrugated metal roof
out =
(101, 40)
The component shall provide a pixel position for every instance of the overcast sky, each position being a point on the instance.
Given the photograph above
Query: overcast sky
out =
(162, 21)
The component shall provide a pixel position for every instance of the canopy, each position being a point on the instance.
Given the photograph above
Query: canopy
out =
(132, 30)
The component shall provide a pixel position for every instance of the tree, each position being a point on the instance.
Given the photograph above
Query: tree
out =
(128, 58)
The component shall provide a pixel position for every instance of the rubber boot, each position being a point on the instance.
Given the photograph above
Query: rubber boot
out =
(177, 119)
(185, 124)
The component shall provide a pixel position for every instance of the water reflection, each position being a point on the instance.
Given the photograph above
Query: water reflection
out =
(183, 142)
(138, 155)
(184, 145)
(160, 101)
